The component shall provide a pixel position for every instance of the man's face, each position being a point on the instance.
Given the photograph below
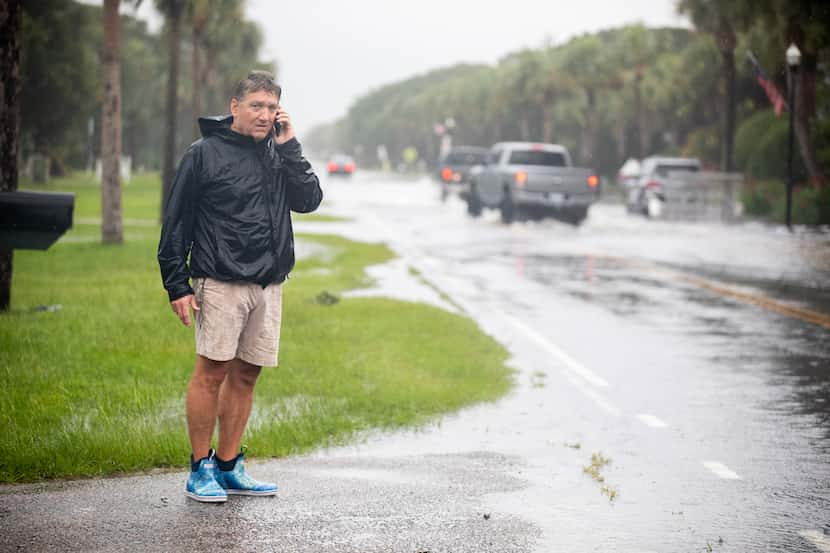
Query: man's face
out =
(254, 114)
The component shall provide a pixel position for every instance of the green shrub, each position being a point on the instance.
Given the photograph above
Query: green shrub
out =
(761, 148)
(768, 199)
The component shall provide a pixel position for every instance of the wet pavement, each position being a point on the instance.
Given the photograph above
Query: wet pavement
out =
(694, 358)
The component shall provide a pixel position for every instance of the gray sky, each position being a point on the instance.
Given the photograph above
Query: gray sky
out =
(330, 53)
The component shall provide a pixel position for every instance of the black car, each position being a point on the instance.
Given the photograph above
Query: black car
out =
(454, 168)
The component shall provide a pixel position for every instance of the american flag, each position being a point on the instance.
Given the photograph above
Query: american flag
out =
(766, 83)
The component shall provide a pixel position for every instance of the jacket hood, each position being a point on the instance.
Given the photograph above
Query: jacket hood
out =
(214, 123)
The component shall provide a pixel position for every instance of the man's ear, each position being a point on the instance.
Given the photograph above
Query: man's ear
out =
(234, 106)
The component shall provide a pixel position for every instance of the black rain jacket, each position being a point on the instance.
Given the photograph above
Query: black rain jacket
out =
(229, 209)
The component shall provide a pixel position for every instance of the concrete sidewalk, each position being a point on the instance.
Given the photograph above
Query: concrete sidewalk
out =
(425, 503)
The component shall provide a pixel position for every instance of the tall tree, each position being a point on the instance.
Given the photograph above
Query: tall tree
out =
(172, 10)
(11, 25)
(112, 230)
(199, 11)
(720, 19)
(59, 57)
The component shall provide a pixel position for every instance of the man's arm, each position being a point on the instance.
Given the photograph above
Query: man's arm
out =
(304, 192)
(177, 230)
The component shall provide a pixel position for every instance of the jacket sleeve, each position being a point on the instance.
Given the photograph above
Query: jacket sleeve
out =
(177, 228)
(304, 192)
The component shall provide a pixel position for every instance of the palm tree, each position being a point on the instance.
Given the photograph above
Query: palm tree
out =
(172, 11)
(11, 30)
(112, 231)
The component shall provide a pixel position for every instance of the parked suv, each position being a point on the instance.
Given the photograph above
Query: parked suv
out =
(533, 178)
(454, 168)
(646, 196)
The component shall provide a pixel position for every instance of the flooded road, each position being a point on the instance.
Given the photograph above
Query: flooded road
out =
(672, 394)
(695, 358)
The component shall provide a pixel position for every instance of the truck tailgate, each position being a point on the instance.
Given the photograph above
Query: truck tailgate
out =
(563, 180)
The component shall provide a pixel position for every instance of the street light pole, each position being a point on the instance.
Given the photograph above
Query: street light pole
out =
(793, 59)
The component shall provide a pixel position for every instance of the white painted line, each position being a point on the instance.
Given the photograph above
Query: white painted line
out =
(569, 362)
(651, 420)
(820, 540)
(592, 394)
(721, 470)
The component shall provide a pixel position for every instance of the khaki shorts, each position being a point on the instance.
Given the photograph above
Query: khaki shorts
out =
(238, 319)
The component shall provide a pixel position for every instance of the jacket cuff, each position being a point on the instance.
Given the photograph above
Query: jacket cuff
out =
(179, 292)
(291, 148)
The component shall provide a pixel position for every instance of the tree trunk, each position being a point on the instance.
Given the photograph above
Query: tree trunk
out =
(112, 231)
(547, 123)
(524, 125)
(586, 154)
(804, 111)
(174, 20)
(211, 95)
(638, 116)
(728, 144)
(196, 78)
(11, 30)
(622, 131)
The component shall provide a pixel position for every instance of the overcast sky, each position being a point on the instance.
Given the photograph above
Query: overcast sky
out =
(330, 53)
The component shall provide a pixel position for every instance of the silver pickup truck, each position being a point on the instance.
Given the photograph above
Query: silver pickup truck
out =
(526, 178)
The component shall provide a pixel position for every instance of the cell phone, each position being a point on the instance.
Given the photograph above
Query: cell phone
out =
(277, 128)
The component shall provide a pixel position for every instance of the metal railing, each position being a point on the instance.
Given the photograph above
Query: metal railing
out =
(704, 196)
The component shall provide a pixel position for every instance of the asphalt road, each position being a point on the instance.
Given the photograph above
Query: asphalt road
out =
(693, 358)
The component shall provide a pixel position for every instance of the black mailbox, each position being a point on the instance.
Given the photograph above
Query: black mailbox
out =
(34, 220)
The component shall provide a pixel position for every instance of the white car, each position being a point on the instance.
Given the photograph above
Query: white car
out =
(647, 196)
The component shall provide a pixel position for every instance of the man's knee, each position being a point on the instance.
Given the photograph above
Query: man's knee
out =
(245, 374)
(210, 373)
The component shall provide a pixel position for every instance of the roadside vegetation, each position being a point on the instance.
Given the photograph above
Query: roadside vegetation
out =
(96, 365)
(628, 92)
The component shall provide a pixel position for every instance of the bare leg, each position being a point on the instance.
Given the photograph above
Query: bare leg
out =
(235, 399)
(202, 402)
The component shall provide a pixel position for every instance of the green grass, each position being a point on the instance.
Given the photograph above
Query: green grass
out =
(98, 386)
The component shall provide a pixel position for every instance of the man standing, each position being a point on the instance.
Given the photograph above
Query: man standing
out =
(229, 210)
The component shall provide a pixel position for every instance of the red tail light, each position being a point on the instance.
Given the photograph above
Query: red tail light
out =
(332, 166)
(593, 181)
(446, 174)
(349, 167)
(520, 178)
(653, 184)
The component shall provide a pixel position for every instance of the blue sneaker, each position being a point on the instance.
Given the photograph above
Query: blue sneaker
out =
(238, 482)
(202, 485)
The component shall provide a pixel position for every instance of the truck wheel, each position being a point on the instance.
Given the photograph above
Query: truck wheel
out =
(576, 215)
(473, 202)
(508, 208)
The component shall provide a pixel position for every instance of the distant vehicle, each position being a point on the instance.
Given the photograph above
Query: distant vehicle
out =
(454, 168)
(628, 174)
(341, 165)
(534, 179)
(647, 195)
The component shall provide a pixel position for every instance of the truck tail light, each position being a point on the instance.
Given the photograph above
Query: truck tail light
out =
(520, 178)
(332, 166)
(653, 185)
(593, 181)
(446, 174)
(349, 167)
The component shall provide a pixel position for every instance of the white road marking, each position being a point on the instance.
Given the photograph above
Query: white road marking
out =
(721, 470)
(569, 362)
(651, 420)
(817, 538)
(592, 394)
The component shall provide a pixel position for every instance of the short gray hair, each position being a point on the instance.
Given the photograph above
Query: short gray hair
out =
(256, 81)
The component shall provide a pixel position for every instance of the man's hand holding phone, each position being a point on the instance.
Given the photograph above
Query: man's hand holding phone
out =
(283, 129)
